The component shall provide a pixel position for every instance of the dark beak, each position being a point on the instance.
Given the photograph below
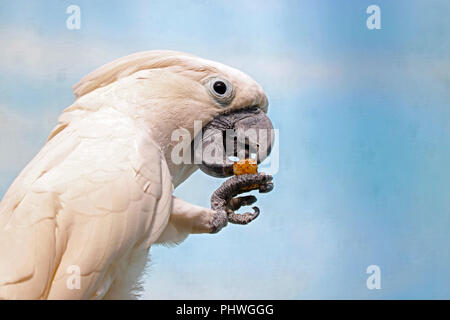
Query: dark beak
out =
(240, 134)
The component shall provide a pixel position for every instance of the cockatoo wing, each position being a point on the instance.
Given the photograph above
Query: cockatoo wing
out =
(95, 197)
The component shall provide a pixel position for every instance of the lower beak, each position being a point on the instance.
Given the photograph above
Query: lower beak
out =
(239, 134)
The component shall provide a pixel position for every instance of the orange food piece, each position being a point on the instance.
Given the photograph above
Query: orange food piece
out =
(245, 166)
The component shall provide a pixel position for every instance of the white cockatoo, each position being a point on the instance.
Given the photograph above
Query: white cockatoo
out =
(79, 220)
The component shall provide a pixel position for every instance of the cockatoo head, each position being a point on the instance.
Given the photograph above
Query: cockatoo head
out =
(169, 91)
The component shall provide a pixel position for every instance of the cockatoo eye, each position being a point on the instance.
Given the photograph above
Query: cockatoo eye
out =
(220, 87)
(221, 90)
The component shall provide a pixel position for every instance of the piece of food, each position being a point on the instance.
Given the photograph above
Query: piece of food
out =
(245, 166)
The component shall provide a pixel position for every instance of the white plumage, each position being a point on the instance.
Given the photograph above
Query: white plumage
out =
(99, 193)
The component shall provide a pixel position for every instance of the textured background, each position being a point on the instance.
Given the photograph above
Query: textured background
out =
(364, 147)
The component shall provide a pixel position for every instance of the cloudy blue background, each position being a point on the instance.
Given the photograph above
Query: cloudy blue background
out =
(364, 148)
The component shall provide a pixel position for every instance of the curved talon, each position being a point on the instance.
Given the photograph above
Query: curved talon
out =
(238, 202)
(265, 188)
(223, 201)
(243, 218)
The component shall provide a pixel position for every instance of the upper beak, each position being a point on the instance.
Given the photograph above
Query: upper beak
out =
(241, 134)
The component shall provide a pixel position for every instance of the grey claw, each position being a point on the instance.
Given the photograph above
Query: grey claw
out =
(265, 188)
(236, 203)
(224, 203)
(244, 218)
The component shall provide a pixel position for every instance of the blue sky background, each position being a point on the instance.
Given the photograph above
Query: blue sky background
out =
(364, 124)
